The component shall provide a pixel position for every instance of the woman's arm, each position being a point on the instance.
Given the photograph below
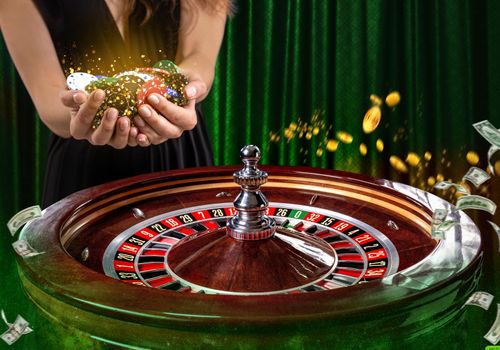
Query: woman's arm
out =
(200, 37)
(66, 113)
(33, 53)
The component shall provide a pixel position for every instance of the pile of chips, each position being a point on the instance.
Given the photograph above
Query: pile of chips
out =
(127, 91)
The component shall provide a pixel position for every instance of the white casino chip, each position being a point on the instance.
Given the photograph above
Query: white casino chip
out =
(79, 80)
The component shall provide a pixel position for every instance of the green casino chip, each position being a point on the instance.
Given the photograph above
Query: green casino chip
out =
(168, 66)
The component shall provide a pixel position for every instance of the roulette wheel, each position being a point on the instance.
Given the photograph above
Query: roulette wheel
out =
(252, 257)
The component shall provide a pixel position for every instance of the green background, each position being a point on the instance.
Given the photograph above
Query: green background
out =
(287, 61)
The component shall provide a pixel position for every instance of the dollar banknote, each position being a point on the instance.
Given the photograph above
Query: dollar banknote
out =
(438, 216)
(493, 157)
(10, 336)
(476, 176)
(24, 249)
(444, 185)
(23, 217)
(488, 131)
(446, 225)
(497, 230)
(476, 202)
(436, 234)
(4, 318)
(481, 299)
(493, 335)
(16, 330)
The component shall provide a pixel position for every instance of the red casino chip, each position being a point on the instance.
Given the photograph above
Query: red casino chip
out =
(155, 85)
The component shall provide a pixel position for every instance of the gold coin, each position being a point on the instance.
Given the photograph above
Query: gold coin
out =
(319, 152)
(344, 137)
(309, 135)
(427, 156)
(288, 133)
(413, 159)
(293, 126)
(379, 145)
(372, 119)
(496, 167)
(472, 158)
(398, 164)
(439, 177)
(431, 181)
(316, 131)
(362, 149)
(273, 137)
(393, 99)
(331, 145)
(377, 101)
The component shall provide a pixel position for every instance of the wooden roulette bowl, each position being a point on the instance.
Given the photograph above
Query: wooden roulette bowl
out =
(148, 262)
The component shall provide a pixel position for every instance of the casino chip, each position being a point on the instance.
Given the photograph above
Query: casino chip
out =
(155, 85)
(168, 66)
(131, 83)
(79, 80)
(175, 84)
(175, 89)
(102, 83)
(121, 93)
(143, 76)
(128, 90)
(156, 72)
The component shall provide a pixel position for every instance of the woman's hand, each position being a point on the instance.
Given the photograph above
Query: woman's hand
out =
(114, 130)
(160, 119)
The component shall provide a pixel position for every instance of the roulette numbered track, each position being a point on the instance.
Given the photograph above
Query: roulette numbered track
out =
(150, 262)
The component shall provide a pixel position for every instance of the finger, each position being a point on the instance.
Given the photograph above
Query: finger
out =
(195, 89)
(132, 136)
(72, 98)
(120, 138)
(81, 123)
(143, 140)
(183, 117)
(103, 134)
(146, 132)
(158, 123)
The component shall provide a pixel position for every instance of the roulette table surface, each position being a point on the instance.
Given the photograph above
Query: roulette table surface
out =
(340, 260)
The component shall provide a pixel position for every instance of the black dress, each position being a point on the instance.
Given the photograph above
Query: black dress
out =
(86, 38)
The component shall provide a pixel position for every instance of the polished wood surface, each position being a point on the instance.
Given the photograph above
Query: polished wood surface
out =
(219, 262)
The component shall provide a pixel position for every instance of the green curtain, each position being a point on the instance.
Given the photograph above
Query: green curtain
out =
(285, 60)
(294, 62)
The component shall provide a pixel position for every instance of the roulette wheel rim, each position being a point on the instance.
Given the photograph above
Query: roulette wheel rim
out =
(57, 282)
